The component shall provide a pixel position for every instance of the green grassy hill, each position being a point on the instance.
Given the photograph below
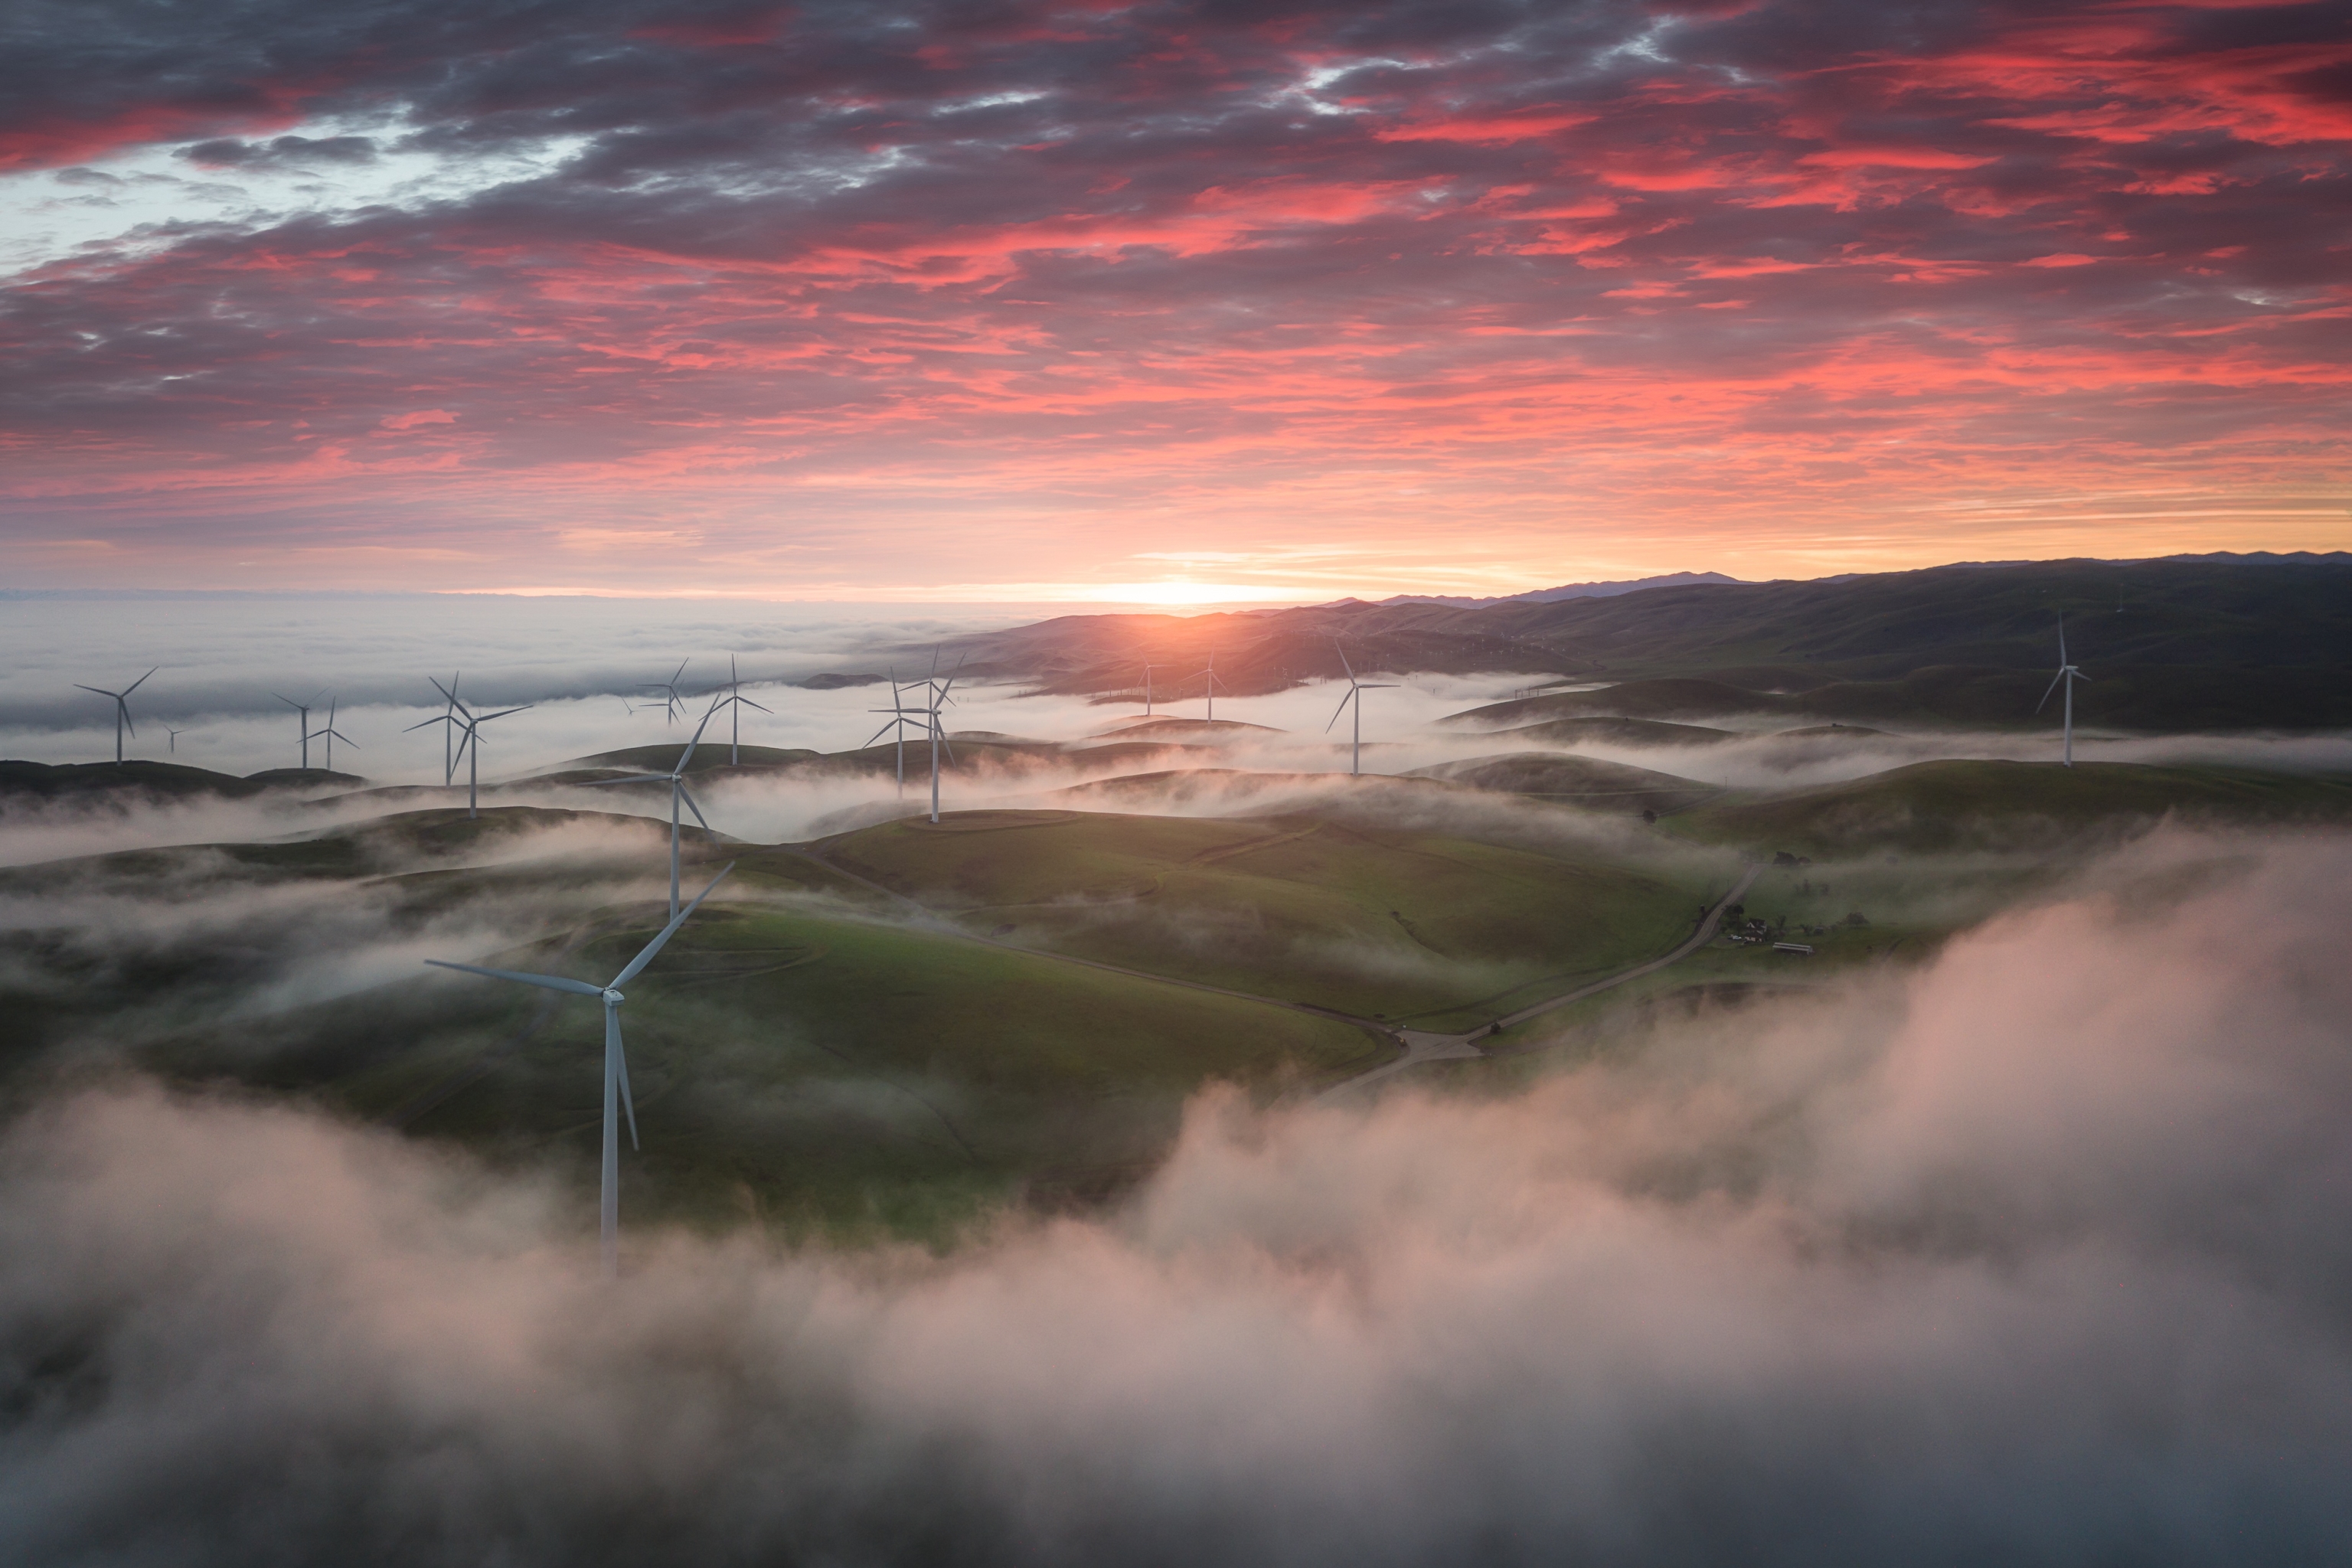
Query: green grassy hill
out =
(85, 781)
(1575, 781)
(1376, 922)
(1965, 805)
(1609, 731)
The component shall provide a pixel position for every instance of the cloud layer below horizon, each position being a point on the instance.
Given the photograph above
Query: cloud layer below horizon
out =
(1018, 298)
(2033, 1253)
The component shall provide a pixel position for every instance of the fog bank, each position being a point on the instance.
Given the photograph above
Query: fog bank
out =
(2035, 1253)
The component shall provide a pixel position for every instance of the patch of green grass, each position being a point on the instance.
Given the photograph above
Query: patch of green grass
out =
(1963, 806)
(1377, 922)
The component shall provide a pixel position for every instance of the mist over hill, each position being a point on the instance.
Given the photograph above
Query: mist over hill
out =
(2171, 645)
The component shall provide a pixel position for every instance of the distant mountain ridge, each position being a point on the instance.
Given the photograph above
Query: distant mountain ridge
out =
(1565, 590)
(2236, 644)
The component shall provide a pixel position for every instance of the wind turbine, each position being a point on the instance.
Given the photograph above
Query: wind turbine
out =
(122, 710)
(902, 721)
(1147, 686)
(671, 701)
(736, 700)
(616, 1064)
(2067, 675)
(303, 711)
(1356, 689)
(332, 735)
(175, 739)
(936, 697)
(676, 779)
(1211, 689)
(467, 724)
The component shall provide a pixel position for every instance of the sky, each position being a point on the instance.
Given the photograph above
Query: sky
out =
(1161, 303)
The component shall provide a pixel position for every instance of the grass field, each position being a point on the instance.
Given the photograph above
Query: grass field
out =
(1388, 924)
(1575, 781)
(1955, 805)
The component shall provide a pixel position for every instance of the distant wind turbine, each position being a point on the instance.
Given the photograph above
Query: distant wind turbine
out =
(330, 735)
(616, 1064)
(1147, 686)
(671, 700)
(736, 701)
(935, 698)
(901, 722)
(1356, 689)
(302, 713)
(2067, 675)
(174, 747)
(467, 724)
(122, 710)
(1210, 688)
(676, 779)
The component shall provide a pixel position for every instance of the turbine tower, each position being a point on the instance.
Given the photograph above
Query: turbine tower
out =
(2067, 675)
(467, 724)
(332, 735)
(302, 713)
(1147, 686)
(122, 710)
(670, 700)
(676, 779)
(1210, 688)
(736, 700)
(1356, 689)
(939, 699)
(903, 721)
(616, 1064)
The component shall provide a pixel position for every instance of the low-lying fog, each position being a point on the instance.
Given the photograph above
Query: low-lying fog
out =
(581, 664)
(2033, 1253)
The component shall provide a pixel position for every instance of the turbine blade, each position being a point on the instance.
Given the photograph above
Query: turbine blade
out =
(633, 778)
(693, 741)
(486, 718)
(637, 964)
(440, 718)
(688, 799)
(139, 682)
(545, 981)
(879, 733)
(748, 703)
(80, 687)
(1343, 662)
(1341, 708)
(2045, 696)
(621, 1061)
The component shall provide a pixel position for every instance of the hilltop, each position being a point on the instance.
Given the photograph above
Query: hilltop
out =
(2173, 645)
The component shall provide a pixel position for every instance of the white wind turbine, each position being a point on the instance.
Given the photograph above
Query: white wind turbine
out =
(1210, 688)
(467, 724)
(302, 715)
(1356, 689)
(936, 697)
(737, 701)
(616, 1065)
(902, 720)
(330, 735)
(671, 701)
(1147, 686)
(2067, 675)
(122, 710)
(676, 779)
